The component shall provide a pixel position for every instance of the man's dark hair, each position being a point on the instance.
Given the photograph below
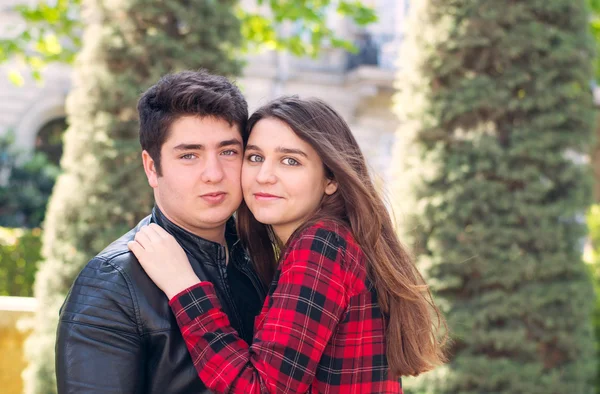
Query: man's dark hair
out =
(187, 93)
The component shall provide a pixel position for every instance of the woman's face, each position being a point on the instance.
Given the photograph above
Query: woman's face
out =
(283, 179)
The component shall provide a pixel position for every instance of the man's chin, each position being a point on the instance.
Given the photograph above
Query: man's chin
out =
(212, 223)
(209, 221)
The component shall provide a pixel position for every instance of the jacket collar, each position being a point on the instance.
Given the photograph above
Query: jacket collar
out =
(203, 250)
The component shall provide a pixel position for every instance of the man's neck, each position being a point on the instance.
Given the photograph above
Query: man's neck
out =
(214, 235)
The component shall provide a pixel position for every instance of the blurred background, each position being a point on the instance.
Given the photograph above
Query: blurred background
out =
(478, 118)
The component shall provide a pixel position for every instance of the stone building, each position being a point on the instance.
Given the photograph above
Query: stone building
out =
(360, 86)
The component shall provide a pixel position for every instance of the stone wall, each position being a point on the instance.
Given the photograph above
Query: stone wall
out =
(13, 313)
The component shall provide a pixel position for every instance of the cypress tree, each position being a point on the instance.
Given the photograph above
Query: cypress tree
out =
(127, 46)
(492, 178)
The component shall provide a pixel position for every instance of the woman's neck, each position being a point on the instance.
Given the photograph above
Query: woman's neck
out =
(283, 232)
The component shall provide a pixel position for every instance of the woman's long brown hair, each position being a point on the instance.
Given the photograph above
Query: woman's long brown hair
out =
(415, 329)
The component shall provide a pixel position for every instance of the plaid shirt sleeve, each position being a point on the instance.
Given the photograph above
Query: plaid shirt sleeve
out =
(304, 308)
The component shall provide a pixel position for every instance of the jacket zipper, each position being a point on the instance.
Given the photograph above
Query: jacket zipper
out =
(223, 274)
(257, 283)
(260, 288)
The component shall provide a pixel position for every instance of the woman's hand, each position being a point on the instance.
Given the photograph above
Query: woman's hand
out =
(163, 259)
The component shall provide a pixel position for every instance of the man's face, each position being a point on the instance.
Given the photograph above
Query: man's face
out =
(201, 161)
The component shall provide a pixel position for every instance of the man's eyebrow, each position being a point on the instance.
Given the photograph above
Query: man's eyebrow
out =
(189, 147)
(233, 141)
(290, 151)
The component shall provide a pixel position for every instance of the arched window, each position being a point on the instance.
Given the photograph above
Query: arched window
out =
(49, 139)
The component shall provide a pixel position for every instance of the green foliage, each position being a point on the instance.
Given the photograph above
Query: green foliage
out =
(593, 222)
(52, 33)
(594, 6)
(593, 259)
(19, 255)
(308, 18)
(497, 118)
(24, 196)
(52, 30)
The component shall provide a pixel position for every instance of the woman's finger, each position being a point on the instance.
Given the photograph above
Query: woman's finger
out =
(136, 249)
(152, 234)
(161, 232)
(143, 238)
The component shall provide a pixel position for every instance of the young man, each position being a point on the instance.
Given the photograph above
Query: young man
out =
(116, 332)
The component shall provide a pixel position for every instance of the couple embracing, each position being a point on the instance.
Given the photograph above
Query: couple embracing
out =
(306, 289)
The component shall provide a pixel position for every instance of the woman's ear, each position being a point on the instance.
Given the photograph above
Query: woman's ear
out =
(331, 187)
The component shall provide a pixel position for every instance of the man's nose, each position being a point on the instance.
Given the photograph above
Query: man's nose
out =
(213, 170)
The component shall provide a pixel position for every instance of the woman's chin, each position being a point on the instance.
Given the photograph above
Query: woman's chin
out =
(267, 219)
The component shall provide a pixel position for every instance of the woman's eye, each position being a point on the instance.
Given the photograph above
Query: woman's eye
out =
(255, 158)
(290, 162)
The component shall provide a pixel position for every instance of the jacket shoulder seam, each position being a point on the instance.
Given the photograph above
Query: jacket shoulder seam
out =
(131, 290)
(78, 323)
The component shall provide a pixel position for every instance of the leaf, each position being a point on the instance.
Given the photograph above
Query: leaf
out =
(37, 75)
(16, 78)
(361, 14)
(347, 45)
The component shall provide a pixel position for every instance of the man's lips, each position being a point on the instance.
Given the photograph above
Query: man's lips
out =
(215, 197)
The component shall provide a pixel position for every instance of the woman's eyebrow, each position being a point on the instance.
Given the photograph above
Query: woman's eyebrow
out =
(253, 147)
(281, 149)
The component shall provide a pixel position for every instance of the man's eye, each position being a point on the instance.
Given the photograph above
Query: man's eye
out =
(290, 162)
(229, 152)
(188, 156)
(255, 158)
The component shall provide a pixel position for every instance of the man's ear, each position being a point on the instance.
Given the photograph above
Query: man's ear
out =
(331, 187)
(150, 169)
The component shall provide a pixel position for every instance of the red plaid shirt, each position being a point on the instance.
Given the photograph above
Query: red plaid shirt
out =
(320, 329)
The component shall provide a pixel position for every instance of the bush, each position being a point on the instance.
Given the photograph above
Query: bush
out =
(24, 193)
(592, 257)
(492, 177)
(19, 255)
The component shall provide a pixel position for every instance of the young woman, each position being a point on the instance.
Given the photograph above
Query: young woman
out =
(347, 311)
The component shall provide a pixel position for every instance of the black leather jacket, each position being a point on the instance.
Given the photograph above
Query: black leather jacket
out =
(117, 333)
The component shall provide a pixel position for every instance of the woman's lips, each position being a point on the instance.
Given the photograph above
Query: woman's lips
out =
(266, 197)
